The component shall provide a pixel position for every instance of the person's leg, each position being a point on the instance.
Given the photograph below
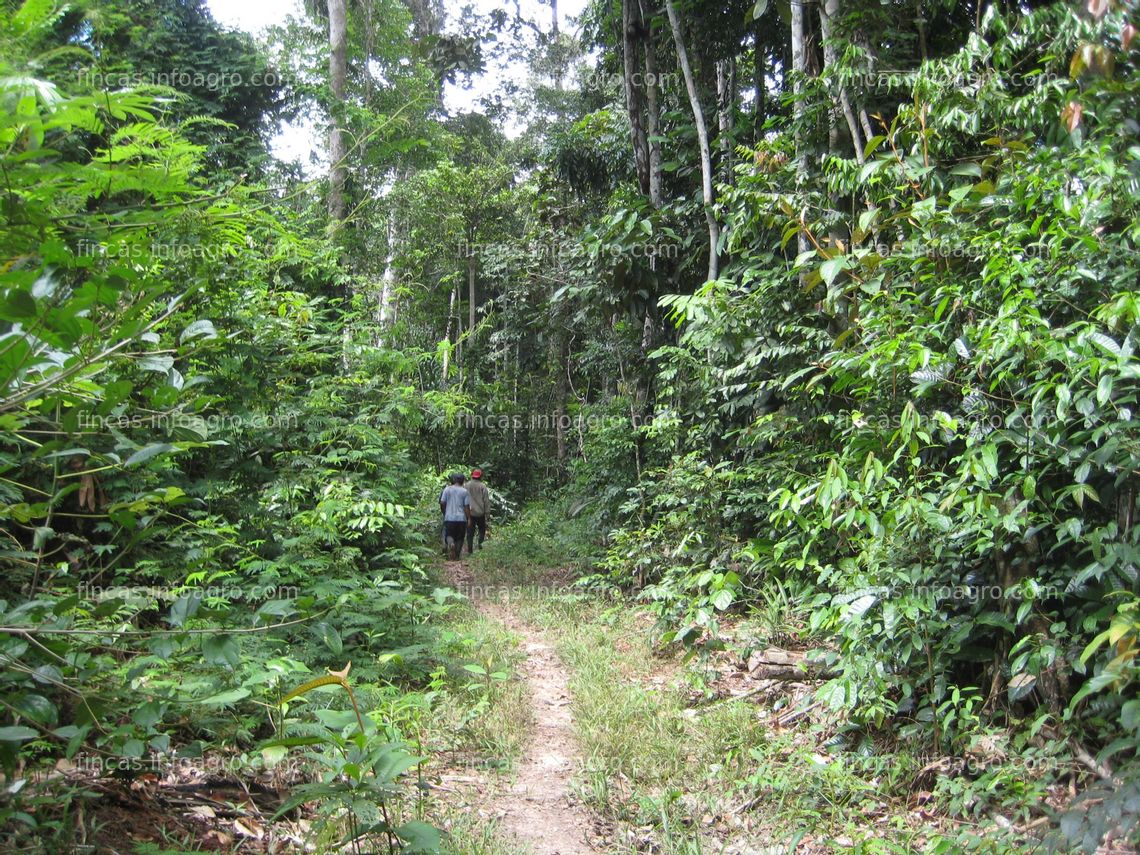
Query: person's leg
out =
(471, 534)
(482, 532)
(455, 533)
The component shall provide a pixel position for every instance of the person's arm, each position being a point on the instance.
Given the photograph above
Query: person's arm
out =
(467, 507)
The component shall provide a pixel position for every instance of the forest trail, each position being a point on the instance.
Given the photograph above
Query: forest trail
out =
(538, 810)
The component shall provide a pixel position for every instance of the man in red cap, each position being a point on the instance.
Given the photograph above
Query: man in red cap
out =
(480, 507)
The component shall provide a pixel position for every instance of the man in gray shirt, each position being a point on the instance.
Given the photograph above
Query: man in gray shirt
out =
(456, 507)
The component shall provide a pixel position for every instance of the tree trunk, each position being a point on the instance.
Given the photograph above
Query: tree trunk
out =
(860, 39)
(837, 233)
(471, 292)
(447, 335)
(558, 70)
(631, 23)
(725, 108)
(799, 69)
(828, 10)
(772, 663)
(652, 114)
(387, 279)
(702, 136)
(760, 107)
(338, 72)
(561, 353)
(920, 23)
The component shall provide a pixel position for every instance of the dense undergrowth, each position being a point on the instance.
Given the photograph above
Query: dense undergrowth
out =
(208, 492)
(939, 468)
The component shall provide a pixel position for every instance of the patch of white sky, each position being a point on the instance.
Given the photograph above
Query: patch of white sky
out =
(300, 140)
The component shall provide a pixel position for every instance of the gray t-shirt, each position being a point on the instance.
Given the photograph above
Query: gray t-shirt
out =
(454, 499)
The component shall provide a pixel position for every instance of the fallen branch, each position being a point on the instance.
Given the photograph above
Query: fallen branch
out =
(1101, 770)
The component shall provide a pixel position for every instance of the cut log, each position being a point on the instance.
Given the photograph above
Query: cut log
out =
(773, 663)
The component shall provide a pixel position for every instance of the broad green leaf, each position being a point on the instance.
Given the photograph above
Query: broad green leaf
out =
(419, 837)
(149, 453)
(225, 698)
(221, 649)
(17, 733)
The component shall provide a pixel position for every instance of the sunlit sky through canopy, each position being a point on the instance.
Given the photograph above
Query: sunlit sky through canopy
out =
(300, 141)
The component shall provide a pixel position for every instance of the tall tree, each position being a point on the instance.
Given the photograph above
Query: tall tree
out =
(652, 110)
(632, 27)
(338, 73)
(828, 12)
(799, 70)
(707, 196)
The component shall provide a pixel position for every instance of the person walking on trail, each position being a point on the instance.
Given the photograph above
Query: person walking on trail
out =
(480, 507)
(456, 507)
(442, 518)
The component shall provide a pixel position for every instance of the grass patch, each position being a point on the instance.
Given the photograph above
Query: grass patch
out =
(479, 718)
(475, 730)
(539, 541)
(684, 779)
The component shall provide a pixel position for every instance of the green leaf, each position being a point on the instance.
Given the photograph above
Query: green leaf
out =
(869, 149)
(722, 599)
(184, 608)
(1105, 343)
(336, 720)
(328, 635)
(419, 837)
(968, 168)
(276, 608)
(221, 650)
(37, 708)
(17, 305)
(872, 166)
(393, 762)
(1104, 389)
(17, 733)
(273, 754)
(159, 363)
(860, 606)
(1130, 715)
(149, 453)
(224, 698)
(831, 268)
(1020, 685)
(198, 329)
(1082, 492)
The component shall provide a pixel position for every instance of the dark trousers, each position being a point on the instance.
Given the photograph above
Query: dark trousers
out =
(481, 524)
(454, 534)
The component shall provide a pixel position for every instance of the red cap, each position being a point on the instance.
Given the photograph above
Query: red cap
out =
(476, 473)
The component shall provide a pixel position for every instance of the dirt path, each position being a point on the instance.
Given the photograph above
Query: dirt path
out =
(539, 810)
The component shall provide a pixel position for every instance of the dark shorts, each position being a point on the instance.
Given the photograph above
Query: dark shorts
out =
(455, 530)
